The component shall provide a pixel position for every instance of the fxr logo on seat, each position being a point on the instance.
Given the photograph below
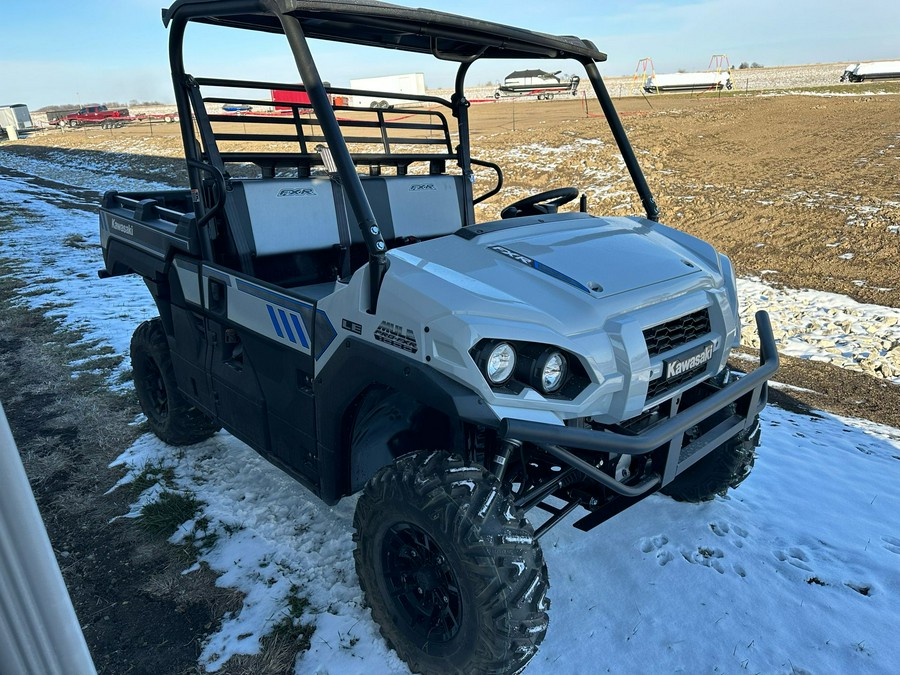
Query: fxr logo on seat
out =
(298, 192)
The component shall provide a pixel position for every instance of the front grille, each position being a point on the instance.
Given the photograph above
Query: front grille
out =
(672, 334)
(661, 385)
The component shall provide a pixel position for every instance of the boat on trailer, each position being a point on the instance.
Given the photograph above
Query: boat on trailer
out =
(875, 70)
(537, 83)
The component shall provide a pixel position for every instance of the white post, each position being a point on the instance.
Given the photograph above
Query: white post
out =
(39, 632)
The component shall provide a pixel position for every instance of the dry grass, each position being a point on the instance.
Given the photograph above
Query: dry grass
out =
(138, 611)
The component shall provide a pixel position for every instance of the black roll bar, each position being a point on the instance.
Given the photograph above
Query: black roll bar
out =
(460, 110)
(186, 120)
(356, 196)
(618, 132)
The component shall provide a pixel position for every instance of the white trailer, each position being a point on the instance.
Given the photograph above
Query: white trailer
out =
(874, 70)
(14, 118)
(688, 81)
(409, 83)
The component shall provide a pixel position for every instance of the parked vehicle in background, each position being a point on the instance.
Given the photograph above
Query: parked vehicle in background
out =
(874, 70)
(380, 92)
(537, 83)
(326, 294)
(700, 81)
(89, 114)
(297, 95)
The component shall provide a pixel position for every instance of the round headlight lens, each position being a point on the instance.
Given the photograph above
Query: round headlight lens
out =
(501, 363)
(554, 372)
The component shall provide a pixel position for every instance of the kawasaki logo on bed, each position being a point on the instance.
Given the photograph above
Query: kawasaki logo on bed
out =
(124, 228)
(687, 362)
(298, 192)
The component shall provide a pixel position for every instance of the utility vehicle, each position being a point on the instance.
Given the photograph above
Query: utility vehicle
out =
(326, 295)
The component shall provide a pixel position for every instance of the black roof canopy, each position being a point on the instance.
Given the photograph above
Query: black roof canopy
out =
(380, 24)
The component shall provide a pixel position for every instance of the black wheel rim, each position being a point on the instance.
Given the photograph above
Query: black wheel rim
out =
(155, 389)
(421, 585)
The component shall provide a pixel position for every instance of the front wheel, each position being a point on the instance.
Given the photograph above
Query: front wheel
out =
(169, 414)
(450, 567)
(725, 467)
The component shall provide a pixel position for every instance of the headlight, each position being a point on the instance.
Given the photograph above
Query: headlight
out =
(552, 367)
(511, 367)
(500, 364)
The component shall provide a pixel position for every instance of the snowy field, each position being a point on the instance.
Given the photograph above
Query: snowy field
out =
(798, 571)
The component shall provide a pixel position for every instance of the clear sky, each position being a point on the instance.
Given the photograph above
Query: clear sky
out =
(87, 51)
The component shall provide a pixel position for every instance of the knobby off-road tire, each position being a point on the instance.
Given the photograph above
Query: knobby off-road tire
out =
(170, 415)
(725, 467)
(450, 567)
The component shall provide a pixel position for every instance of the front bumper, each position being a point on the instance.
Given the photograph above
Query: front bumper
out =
(748, 394)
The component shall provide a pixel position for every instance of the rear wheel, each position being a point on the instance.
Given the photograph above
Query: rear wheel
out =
(169, 414)
(450, 567)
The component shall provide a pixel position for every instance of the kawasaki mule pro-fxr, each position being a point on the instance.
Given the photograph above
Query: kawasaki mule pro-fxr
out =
(326, 295)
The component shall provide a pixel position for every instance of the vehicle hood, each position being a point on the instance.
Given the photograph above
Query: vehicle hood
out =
(564, 266)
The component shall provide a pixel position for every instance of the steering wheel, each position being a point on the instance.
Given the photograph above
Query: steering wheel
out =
(541, 203)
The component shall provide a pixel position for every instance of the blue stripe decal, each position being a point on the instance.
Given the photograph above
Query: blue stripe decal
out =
(271, 296)
(546, 269)
(296, 321)
(287, 326)
(305, 321)
(275, 321)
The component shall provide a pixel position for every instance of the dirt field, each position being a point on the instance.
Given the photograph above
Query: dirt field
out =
(798, 190)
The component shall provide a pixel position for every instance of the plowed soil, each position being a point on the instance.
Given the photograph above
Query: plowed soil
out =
(785, 185)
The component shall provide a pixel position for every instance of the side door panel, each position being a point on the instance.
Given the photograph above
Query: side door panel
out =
(261, 366)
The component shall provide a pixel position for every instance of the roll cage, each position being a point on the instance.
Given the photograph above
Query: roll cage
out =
(369, 23)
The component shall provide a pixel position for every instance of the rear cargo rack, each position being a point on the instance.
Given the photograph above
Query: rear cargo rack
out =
(287, 135)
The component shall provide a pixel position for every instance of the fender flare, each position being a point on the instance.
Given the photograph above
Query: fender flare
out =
(411, 389)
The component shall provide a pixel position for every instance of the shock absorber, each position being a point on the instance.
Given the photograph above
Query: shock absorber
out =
(501, 457)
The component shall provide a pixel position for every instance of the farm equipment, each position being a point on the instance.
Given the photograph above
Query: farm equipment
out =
(537, 83)
(875, 70)
(328, 297)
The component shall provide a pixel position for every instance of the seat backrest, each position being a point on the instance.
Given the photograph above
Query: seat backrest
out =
(415, 206)
(289, 215)
(284, 222)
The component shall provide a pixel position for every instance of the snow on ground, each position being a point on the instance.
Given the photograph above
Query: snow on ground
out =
(798, 571)
(57, 249)
(826, 327)
(67, 167)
